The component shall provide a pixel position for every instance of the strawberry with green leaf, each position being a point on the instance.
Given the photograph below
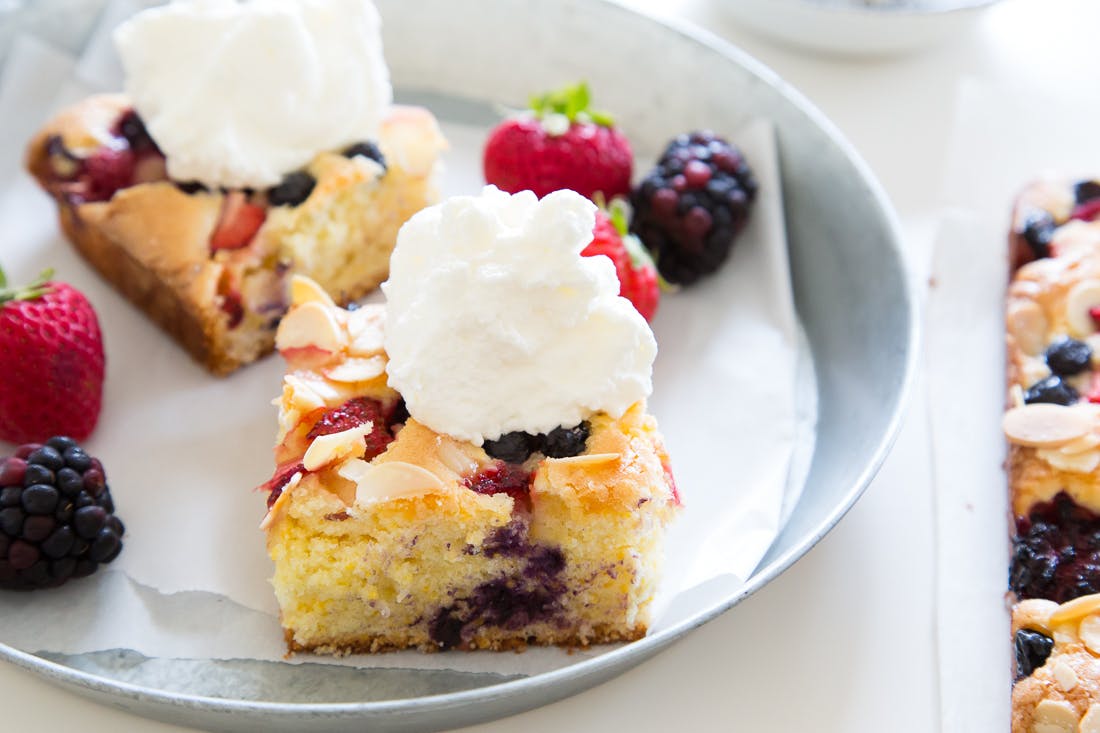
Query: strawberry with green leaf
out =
(638, 279)
(560, 143)
(51, 361)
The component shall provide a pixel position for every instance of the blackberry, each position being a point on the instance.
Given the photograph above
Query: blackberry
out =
(1067, 356)
(56, 516)
(292, 190)
(1056, 552)
(1052, 390)
(1032, 651)
(1085, 191)
(564, 442)
(690, 208)
(514, 447)
(367, 150)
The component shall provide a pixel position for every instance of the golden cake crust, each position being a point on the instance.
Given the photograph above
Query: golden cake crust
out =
(151, 240)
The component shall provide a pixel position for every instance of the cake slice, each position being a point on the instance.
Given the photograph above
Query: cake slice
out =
(1053, 429)
(210, 267)
(225, 167)
(389, 533)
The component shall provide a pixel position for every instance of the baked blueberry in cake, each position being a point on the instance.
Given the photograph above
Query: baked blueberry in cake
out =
(471, 465)
(1053, 429)
(222, 170)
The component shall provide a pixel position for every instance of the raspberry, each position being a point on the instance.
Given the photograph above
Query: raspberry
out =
(354, 413)
(57, 517)
(690, 208)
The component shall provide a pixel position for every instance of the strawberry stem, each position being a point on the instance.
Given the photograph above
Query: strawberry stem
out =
(571, 101)
(35, 290)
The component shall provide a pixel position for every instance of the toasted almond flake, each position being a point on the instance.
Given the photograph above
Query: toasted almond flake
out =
(306, 290)
(1055, 716)
(1091, 722)
(1082, 444)
(1089, 631)
(300, 394)
(1064, 675)
(1016, 395)
(1034, 370)
(281, 502)
(1034, 613)
(355, 369)
(1076, 609)
(1085, 462)
(1084, 296)
(1044, 425)
(1027, 324)
(366, 329)
(309, 325)
(454, 457)
(587, 459)
(393, 480)
(334, 447)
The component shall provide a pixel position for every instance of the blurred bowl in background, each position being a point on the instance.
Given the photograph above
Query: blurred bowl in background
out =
(857, 27)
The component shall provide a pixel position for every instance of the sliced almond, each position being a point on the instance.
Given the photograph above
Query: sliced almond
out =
(281, 502)
(1055, 716)
(310, 325)
(1028, 325)
(455, 458)
(1034, 370)
(335, 447)
(300, 395)
(366, 327)
(306, 290)
(355, 369)
(1091, 722)
(1043, 425)
(1082, 297)
(588, 459)
(393, 480)
(1034, 613)
(1063, 675)
(1089, 631)
(1082, 444)
(1085, 462)
(1075, 609)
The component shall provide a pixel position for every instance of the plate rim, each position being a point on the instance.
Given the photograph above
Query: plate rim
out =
(624, 657)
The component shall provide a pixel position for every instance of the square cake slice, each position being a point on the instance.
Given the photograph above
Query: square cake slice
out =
(386, 534)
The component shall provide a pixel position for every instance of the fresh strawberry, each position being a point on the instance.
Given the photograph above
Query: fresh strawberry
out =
(238, 223)
(52, 355)
(638, 280)
(557, 144)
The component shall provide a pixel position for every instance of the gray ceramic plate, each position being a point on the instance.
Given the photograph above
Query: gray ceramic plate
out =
(850, 288)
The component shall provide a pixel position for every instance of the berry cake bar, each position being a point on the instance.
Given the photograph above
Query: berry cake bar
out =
(386, 533)
(210, 266)
(1053, 430)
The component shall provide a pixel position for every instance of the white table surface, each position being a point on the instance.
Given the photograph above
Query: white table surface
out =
(845, 640)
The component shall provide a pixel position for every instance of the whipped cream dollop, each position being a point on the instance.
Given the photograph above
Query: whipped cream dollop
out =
(495, 322)
(237, 94)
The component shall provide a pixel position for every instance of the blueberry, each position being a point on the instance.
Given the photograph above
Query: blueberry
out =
(1038, 232)
(513, 447)
(1067, 356)
(367, 150)
(191, 187)
(1086, 191)
(1052, 390)
(1032, 651)
(293, 190)
(564, 442)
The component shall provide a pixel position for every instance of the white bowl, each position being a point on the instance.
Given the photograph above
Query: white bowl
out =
(857, 27)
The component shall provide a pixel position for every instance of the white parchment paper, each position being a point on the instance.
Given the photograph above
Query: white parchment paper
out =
(734, 393)
(1002, 141)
